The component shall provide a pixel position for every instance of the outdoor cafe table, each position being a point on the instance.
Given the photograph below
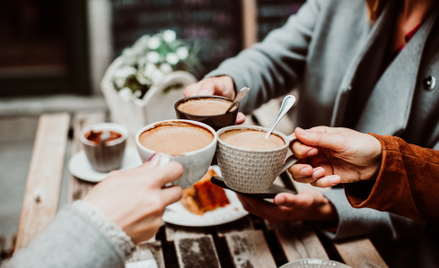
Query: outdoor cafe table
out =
(247, 242)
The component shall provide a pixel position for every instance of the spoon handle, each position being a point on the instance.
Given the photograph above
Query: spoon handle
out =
(239, 97)
(286, 105)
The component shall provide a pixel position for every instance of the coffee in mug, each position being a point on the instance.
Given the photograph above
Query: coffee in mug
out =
(252, 139)
(176, 138)
(190, 143)
(205, 106)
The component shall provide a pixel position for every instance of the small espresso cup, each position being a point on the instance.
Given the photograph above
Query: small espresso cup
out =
(216, 121)
(251, 171)
(105, 157)
(195, 163)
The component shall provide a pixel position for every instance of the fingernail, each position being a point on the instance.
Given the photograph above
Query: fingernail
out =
(304, 172)
(312, 152)
(335, 180)
(280, 200)
(154, 159)
(203, 92)
(301, 131)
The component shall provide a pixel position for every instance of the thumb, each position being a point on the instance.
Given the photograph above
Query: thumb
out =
(332, 141)
(206, 88)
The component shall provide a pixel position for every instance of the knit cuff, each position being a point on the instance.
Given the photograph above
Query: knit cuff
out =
(111, 230)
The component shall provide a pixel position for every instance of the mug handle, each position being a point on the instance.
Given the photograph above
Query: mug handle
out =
(291, 160)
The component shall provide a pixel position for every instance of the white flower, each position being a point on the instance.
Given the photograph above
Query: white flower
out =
(121, 74)
(172, 58)
(138, 93)
(153, 57)
(153, 42)
(165, 68)
(157, 77)
(128, 52)
(169, 36)
(141, 79)
(182, 52)
(150, 68)
(126, 94)
(142, 41)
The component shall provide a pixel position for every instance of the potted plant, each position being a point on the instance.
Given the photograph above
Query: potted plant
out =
(143, 83)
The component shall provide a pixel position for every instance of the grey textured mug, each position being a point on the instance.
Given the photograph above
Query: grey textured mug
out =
(251, 171)
(108, 157)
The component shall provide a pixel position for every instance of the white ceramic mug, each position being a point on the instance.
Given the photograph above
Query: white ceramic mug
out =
(195, 163)
(251, 171)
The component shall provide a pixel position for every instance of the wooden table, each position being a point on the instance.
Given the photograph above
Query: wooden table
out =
(247, 242)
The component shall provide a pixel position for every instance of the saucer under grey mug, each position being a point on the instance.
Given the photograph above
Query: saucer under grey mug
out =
(105, 157)
(250, 171)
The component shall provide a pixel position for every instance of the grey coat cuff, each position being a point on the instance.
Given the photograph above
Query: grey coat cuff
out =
(111, 230)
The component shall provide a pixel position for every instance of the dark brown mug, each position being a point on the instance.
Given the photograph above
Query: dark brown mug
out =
(216, 121)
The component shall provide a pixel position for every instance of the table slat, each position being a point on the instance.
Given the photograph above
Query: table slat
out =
(149, 251)
(249, 249)
(243, 224)
(197, 252)
(79, 188)
(360, 253)
(41, 196)
(299, 241)
(175, 232)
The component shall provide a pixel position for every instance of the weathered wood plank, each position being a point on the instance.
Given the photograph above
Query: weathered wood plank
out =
(197, 252)
(44, 180)
(243, 224)
(250, 24)
(79, 188)
(149, 251)
(360, 253)
(249, 249)
(299, 241)
(175, 232)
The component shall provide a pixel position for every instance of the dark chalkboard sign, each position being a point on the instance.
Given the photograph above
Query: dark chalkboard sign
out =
(273, 14)
(215, 25)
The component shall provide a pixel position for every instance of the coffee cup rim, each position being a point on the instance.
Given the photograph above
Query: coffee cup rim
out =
(145, 128)
(236, 127)
(183, 100)
(105, 126)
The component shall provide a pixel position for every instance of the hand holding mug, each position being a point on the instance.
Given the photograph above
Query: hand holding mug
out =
(219, 86)
(333, 155)
(135, 199)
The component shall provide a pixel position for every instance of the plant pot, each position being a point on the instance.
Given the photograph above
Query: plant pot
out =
(156, 105)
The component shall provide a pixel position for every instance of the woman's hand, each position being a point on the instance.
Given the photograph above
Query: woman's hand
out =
(219, 86)
(333, 155)
(136, 199)
(305, 206)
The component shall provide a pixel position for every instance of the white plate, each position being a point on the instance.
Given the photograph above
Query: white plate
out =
(81, 168)
(179, 215)
(314, 263)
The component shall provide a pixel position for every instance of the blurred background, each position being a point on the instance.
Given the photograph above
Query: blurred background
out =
(53, 55)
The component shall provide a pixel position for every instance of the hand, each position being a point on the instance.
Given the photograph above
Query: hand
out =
(334, 155)
(135, 199)
(305, 206)
(219, 86)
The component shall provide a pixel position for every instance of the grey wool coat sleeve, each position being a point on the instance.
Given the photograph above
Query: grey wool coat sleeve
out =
(70, 241)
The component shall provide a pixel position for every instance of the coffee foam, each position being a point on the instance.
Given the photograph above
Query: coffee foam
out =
(252, 139)
(176, 138)
(205, 106)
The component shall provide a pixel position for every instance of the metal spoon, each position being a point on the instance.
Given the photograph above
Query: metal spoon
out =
(104, 137)
(286, 105)
(239, 97)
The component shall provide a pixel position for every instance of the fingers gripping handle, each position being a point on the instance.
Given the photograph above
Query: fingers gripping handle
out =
(291, 160)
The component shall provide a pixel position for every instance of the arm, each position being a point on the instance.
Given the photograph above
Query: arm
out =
(406, 183)
(386, 172)
(270, 68)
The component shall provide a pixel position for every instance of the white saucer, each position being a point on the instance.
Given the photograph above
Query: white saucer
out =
(81, 168)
